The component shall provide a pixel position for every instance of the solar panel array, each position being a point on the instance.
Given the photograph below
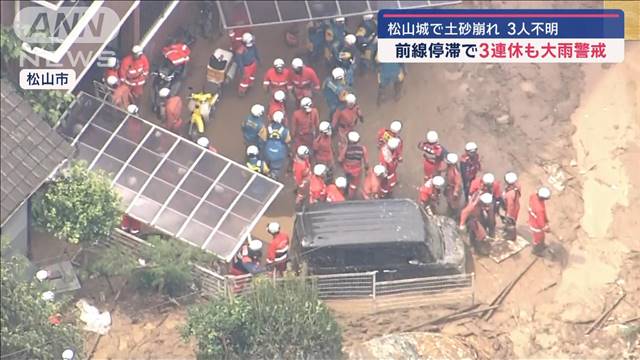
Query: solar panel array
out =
(255, 13)
(169, 182)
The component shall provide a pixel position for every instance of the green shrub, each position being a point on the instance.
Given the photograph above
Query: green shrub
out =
(287, 321)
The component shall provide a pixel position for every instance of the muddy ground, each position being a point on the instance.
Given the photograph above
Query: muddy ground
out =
(533, 119)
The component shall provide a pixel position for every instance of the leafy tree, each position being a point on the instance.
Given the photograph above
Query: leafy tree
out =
(113, 261)
(80, 205)
(283, 321)
(169, 264)
(26, 331)
(50, 104)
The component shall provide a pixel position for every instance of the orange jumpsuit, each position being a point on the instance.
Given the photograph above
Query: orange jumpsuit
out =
(352, 158)
(345, 120)
(301, 171)
(477, 186)
(334, 194)
(303, 126)
(390, 159)
(384, 135)
(480, 219)
(277, 254)
(323, 150)
(304, 83)
(428, 195)
(275, 81)
(173, 112)
(538, 221)
(371, 187)
(453, 191)
(433, 155)
(134, 72)
(317, 189)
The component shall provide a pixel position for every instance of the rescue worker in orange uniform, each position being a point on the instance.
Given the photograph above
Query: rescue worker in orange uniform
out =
(382, 173)
(486, 184)
(278, 103)
(303, 80)
(511, 205)
(479, 217)
(134, 70)
(430, 193)
(277, 77)
(469, 165)
(433, 154)
(453, 179)
(371, 187)
(235, 37)
(345, 120)
(178, 54)
(322, 147)
(173, 111)
(247, 260)
(353, 158)
(392, 132)
(390, 158)
(335, 191)
(301, 172)
(277, 253)
(304, 123)
(538, 221)
(317, 187)
(247, 57)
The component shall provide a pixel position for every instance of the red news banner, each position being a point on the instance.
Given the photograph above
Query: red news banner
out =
(495, 36)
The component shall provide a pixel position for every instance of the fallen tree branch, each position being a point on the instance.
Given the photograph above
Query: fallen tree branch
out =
(503, 294)
(605, 315)
(548, 287)
(443, 317)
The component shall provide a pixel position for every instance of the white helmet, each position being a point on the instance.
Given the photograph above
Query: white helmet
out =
(137, 49)
(486, 198)
(432, 137)
(544, 192)
(471, 147)
(452, 158)
(255, 245)
(395, 126)
(164, 92)
(132, 109)
(339, 19)
(488, 178)
(367, 17)
(112, 80)
(306, 102)
(278, 116)
(252, 150)
(319, 169)
(379, 170)
(303, 150)
(393, 143)
(350, 99)
(341, 182)
(257, 110)
(297, 63)
(111, 62)
(337, 73)
(68, 354)
(279, 96)
(273, 228)
(325, 127)
(247, 39)
(438, 181)
(350, 39)
(48, 296)
(203, 141)
(353, 136)
(510, 178)
(278, 63)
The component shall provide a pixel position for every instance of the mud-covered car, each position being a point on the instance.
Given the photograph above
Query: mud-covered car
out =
(394, 237)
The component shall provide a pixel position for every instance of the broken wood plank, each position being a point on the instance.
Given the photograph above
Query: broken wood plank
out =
(605, 315)
(503, 294)
(468, 314)
(443, 317)
(548, 287)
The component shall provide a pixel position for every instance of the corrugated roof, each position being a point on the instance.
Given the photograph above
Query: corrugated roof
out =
(30, 150)
(362, 222)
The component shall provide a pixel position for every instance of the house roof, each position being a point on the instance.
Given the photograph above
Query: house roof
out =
(30, 150)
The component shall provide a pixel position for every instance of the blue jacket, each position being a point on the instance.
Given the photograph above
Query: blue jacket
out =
(247, 56)
(331, 91)
(275, 148)
(251, 128)
(389, 73)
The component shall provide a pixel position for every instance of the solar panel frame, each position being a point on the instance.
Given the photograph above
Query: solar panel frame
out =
(279, 6)
(181, 166)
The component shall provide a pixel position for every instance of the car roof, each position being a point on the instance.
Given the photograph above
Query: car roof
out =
(361, 222)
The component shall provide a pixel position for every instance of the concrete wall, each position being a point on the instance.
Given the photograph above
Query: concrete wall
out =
(16, 230)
